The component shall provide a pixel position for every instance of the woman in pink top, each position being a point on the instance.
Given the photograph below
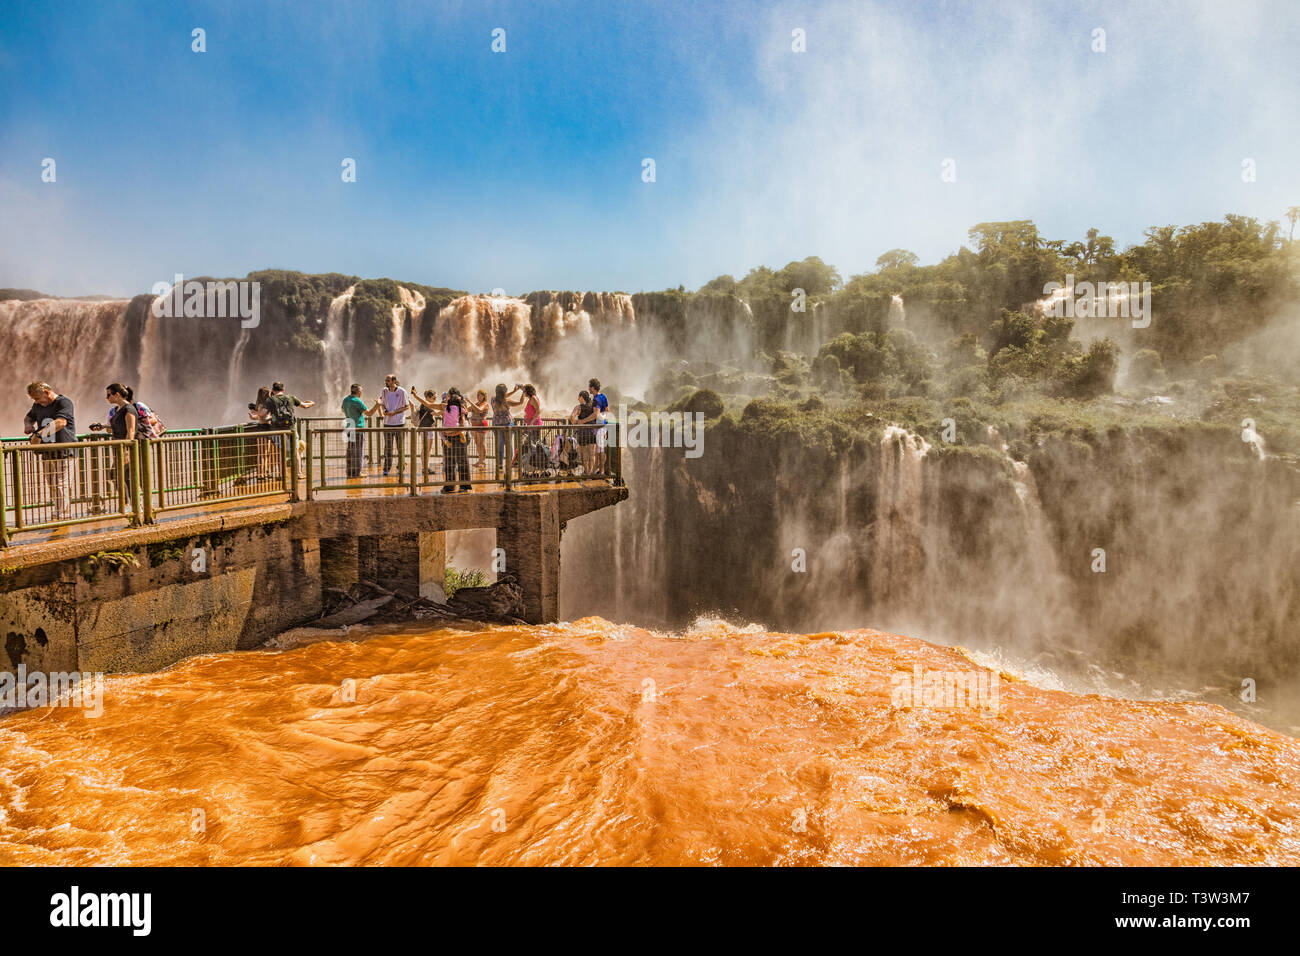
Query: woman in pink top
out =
(533, 407)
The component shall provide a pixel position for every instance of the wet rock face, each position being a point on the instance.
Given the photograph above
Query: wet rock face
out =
(1201, 544)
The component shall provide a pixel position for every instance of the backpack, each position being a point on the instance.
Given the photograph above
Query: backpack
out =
(147, 424)
(281, 409)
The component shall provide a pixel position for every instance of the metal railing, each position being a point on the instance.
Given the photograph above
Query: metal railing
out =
(99, 479)
(186, 471)
(456, 459)
(67, 483)
(51, 485)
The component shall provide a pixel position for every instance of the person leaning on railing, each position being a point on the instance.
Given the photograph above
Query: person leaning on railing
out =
(501, 418)
(455, 463)
(123, 425)
(354, 410)
(478, 411)
(425, 419)
(259, 412)
(584, 413)
(602, 434)
(50, 421)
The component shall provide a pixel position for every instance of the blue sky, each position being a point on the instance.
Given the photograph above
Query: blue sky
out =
(522, 170)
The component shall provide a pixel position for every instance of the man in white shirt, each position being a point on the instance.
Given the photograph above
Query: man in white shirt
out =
(394, 405)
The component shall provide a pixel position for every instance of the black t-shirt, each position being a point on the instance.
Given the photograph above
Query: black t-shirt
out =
(42, 415)
(280, 407)
(119, 420)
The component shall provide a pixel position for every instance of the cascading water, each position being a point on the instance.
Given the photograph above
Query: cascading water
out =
(411, 307)
(1256, 441)
(153, 367)
(820, 327)
(897, 552)
(234, 407)
(491, 331)
(897, 313)
(77, 346)
(337, 345)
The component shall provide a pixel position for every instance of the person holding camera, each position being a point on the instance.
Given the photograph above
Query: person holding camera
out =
(425, 420)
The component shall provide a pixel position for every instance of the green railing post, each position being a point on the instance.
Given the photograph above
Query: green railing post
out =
(292, 477)
(18, 489)
(415, 459)
(146, 480)
(134, 478)
(4, 530)
(510, 450)
(401, 458)
(324, 469)
(210, 465)
(123, 475)
(310, 476)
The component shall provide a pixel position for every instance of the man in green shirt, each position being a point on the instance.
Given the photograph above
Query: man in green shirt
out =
(354, 409)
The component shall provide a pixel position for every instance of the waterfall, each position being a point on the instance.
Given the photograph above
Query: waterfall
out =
(897, 553)
(152, 370)
(1256, 442)
(1050, 302)
(897, 314)
(843, 491)
(234, 405)
(412, 306)
(77, 346)
(820, 327)
(488, 330)
(338, 343)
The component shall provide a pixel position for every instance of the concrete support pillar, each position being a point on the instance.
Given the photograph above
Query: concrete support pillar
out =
(412, 562)
(530, 538)
(433, 564)
(338, 562)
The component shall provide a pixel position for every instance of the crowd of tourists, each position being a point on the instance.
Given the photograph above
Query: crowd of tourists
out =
(460, 422)
(455, 420)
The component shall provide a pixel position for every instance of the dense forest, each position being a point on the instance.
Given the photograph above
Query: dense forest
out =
(1222, 343)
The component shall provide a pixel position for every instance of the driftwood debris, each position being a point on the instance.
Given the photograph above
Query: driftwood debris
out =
(365, 601)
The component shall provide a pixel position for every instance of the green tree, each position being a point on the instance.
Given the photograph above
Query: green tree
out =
(812, 275)
(896, 259)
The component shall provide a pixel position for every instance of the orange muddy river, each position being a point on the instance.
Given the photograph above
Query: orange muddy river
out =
(593, 743)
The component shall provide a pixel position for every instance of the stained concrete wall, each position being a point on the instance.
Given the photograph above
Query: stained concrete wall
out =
(145, 608)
